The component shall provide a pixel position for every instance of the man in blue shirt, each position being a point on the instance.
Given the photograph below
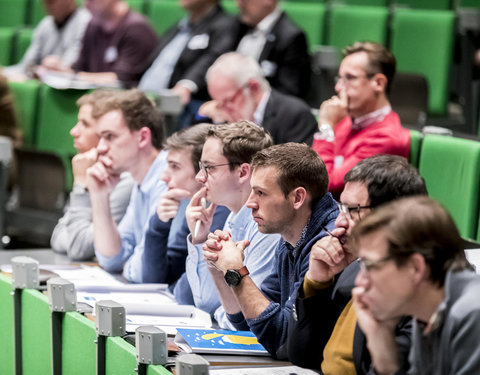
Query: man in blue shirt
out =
(131, 132)
(166, 238)
(225, 174)
(289, 196)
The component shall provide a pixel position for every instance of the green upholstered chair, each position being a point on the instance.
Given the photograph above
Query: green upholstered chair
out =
(308, 16)
(366, 23)
(415, 147)
(57, 114)
(26, 101)
(422, 41)
(36, 12)
(362, 2)
(425, 4)
(13, 12)
(468, 3)
(163, 14)
(21, 42)
(451, 168)
(137, 5)
(6, 40)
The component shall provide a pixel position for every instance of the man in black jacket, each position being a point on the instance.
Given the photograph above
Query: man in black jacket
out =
(187, 50)
(269, 36)
(325, 334)
(241, 92)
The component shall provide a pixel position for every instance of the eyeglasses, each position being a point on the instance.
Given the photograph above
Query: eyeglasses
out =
(348, 79)
(204, 168)
(347, 210)
(367, 265)
(233, 97)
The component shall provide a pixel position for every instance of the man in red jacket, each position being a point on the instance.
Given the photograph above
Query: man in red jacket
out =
(359, 121)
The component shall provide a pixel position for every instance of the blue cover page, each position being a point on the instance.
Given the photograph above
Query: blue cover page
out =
(220, 341)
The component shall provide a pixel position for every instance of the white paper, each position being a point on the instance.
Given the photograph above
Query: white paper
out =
(279, 370)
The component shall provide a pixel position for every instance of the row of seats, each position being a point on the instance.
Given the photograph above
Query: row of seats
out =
(451, 169)
(421, 40)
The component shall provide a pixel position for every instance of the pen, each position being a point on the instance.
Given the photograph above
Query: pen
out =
(203, 202)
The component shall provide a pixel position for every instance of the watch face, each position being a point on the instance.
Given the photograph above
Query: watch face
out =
(232, 277)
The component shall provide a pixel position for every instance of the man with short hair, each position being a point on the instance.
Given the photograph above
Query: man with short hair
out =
(239, 91)
(324, 334)
(359, 121)
(56, 40)
(266, 33)
(413, 263)
(116, 45)
(289, 196)
(225, 175)
(166, 238)
(73, 234)
(131, 131)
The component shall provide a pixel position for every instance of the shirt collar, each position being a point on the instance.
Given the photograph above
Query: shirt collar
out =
(260, 110)
(266, 25)
(362, 122)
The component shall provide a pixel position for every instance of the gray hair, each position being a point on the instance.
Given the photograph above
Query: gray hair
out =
(239, 68)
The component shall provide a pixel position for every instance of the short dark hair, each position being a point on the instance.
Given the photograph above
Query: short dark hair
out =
(380, 59)
(138, 111)
(417, 225)
(192, 138)
(297, 165)
(241, 140)
(387, 177)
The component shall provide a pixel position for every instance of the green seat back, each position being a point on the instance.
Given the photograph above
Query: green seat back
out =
(425, 4)
(365, 23)
(26, 101)
(468, 3)
(13, 12)
(57, 114)
(415, 147)
(6, 40)
(230, 6)
(22, 40)
(137, 5)
(7, 364)
(36, 12)
(164, 14)
(78, 339)
(422, 42)
(36, 333)
(362, 2)
(451, 168)
(309, 17)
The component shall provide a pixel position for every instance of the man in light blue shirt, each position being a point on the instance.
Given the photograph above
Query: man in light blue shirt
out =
(225, 175)
(131, 132)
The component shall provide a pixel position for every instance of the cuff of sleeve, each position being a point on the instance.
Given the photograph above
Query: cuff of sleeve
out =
(80, 199)
(190, 85)
(325, 133)
(310, 287)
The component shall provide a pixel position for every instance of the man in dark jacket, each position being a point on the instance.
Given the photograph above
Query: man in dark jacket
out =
(324, 334)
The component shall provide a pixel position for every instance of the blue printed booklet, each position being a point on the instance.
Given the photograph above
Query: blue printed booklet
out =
(218, 342)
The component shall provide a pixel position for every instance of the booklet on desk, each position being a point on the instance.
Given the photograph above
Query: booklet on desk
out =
(218, 342)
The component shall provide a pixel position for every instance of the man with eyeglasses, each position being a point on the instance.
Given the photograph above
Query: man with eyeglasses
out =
(225, 173)
(413, 263)
(240, 91)
(359, 121)
(324, 335)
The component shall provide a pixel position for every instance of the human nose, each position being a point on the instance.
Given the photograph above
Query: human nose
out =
(201, 176)
(74, 132)
(165, 175)
(251, 202)
(102, 147)
(362, 279)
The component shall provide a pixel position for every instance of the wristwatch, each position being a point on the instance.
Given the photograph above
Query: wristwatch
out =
(234, 277)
